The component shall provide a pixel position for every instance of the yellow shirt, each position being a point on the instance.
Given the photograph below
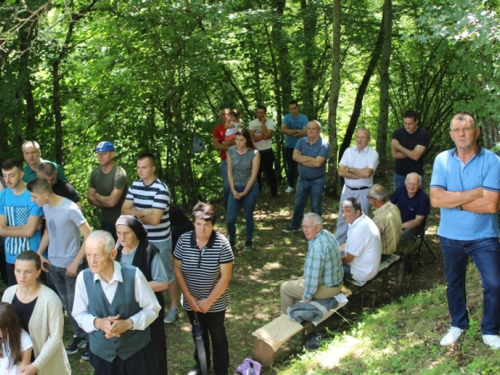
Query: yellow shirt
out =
(388, 220)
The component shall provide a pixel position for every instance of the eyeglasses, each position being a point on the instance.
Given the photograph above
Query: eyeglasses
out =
(307, 227)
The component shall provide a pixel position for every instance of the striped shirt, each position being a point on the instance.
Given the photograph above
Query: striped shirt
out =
(156, 196)
(201, 269)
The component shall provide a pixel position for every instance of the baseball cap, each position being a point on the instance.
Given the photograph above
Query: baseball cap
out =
(104, 147)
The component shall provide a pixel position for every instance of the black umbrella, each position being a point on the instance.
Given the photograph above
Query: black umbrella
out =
(200, 347)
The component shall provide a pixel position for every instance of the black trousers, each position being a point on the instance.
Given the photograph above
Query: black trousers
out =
(159, 340)
(212, 324)
(142, 362)
(266, 166)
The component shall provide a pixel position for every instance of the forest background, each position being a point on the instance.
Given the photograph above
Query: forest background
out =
(147, 75)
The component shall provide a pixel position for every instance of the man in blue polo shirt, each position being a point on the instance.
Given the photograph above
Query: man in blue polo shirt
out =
(293, 126)
(465, 186)
(311, 153)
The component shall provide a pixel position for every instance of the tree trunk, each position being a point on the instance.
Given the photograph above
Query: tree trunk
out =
(25, 81)
(283, 82)
(358, 104)
(384, 86)
(309, 20)
(332, 177)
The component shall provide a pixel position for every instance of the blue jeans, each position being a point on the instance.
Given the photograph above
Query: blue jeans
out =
(291, 166)
(233, 206)
(399, 180)
(305, 188)
(225, 182)
(485, 254)
(65, 286)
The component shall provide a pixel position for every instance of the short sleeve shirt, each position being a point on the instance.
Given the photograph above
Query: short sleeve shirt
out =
(294, 123)
(354, 158)
(256, 126)
(104, 184)
(201, 269)
(157, 196)
(451, 174)
(363, 242)
(220, 133)
(319, 148)
(410, 208)
(17, 209)
(410, 141)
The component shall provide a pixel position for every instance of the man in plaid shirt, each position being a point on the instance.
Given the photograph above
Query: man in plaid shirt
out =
(323, 273)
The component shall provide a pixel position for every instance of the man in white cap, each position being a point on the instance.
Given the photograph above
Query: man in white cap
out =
(107, 187)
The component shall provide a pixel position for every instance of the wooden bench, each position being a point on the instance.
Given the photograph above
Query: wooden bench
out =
(268, 339)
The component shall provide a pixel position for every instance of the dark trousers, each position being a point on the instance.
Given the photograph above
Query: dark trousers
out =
(159, 340)
(10, 274)
(266, 166)
(142, 362)
(212, 324)
(291, 166)
(3, 264)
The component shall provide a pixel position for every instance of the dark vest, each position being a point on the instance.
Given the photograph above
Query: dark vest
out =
(124, 303)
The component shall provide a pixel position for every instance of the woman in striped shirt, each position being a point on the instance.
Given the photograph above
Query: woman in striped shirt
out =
(203, 263)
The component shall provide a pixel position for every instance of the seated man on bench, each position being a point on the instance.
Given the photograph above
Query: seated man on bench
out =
(413, 204)
(323, 272)
(387, 219)
(363, 249)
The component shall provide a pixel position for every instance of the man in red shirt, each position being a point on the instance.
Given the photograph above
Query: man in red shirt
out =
(220, 145)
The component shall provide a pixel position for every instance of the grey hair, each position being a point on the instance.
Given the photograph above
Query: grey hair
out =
(464, 116)
(106, 239)
(414, 174)
(316, 218)
(317, 123)
(365, 130)
(378, 192)
(47, 168)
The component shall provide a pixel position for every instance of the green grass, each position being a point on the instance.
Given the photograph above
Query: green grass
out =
(400, 338)
(403, 338)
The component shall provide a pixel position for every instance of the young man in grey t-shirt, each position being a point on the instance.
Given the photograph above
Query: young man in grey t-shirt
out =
(65, 223)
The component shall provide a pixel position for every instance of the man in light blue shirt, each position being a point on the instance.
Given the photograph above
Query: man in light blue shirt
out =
(465, 186)
(310, 153)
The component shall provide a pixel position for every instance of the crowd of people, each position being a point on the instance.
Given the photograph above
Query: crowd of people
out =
(147, 246)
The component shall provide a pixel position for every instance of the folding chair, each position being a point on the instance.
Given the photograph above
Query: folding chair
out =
(421, 235)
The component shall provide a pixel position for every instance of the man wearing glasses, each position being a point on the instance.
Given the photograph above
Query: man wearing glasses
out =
(33, 157)
(465, 186)
(323, 272)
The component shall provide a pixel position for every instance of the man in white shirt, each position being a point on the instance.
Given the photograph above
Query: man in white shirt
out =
(261, 131)
(357, 166)
(362, 252)
(118, 326)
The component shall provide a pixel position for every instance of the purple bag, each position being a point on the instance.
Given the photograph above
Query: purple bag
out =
(249, 367)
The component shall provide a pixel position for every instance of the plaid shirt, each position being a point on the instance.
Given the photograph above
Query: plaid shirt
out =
(323, 265)
(388, 220)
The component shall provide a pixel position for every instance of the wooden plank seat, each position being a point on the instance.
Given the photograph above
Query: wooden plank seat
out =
(268, 339)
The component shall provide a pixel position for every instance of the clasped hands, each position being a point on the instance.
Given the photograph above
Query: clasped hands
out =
(113, 326)
(202, 305)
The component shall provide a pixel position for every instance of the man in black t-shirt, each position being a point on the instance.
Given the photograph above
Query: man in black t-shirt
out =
(48, 171)
(408, 147)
